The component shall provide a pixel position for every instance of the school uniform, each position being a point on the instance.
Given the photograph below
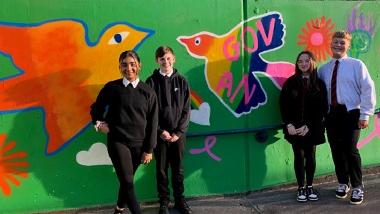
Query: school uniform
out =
(130, 109)
(173, 95)
(302, 105)
(355, 100)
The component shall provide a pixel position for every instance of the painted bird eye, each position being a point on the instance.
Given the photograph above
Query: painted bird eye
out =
(118, 38)
(197, 41)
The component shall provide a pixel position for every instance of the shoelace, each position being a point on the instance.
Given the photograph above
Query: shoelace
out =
(186, 205)
(357, 193)
(342, 187)
(311, 191)
(301, 191)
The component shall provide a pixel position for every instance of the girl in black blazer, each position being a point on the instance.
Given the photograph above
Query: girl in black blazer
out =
(303, 105)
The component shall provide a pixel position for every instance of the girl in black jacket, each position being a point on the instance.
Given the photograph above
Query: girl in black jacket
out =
(303, 104)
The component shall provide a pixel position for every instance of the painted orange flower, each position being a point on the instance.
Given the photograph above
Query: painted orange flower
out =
(11, 165)
(316, 37)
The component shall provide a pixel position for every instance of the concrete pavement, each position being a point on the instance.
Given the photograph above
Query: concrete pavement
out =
(281, 199)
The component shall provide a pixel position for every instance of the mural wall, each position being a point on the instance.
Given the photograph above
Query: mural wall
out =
(56, 55)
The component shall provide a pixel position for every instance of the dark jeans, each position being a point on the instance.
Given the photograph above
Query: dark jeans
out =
(343, 134)
(170, 155)
(304, 162)
(125, 161)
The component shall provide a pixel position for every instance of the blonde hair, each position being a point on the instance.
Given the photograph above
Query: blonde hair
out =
(342, 34)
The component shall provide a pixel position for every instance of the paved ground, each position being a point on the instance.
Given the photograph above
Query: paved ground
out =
(277, 200)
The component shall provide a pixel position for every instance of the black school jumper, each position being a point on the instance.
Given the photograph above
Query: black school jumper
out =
(174, 115)
(132, 118)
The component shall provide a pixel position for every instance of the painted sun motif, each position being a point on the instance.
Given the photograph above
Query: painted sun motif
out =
(12, 165)
(316, 37)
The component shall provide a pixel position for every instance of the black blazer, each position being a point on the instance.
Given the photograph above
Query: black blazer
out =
(304, 107)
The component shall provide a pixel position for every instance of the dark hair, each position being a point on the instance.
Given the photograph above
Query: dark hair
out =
(129, 53)
(312, 70)
(162, 50)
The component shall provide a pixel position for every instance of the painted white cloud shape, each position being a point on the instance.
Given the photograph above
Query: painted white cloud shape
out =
(201, 116)
(96, 155)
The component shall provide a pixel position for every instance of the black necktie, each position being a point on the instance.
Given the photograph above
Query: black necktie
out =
(334, 100)
(305, 83)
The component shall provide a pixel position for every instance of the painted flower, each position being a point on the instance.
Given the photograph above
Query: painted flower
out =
(12, 165)
(316, 37)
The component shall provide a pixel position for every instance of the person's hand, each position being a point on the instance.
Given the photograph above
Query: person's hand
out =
(363, 124)
(165, 135)
(101, 126)
(146, 158)
(173, 138)
(303, 130)
(104, 128)
(291, 129)
(96, 126)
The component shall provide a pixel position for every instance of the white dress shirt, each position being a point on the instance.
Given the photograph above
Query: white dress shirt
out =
(354, 87)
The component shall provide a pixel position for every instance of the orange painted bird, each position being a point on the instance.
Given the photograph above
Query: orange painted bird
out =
(61, 71)
(235, 84)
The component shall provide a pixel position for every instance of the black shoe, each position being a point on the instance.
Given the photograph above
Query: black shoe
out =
(357, 196)
(183, 207)
(312, 195)
(342, 190)
(118, 210)
(164, 209)
(301, 194)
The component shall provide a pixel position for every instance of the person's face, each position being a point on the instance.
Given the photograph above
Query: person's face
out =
(129, 68)
(166, 62)
(339, 47)
(304, 63)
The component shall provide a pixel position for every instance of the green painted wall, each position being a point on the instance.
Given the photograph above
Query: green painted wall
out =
(50, 71)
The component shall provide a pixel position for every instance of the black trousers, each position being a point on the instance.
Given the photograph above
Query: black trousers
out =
(170, 155)
(304, 163)
(125, 161)
(343, 134)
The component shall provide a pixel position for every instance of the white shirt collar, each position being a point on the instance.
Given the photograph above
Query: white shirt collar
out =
(134, 83)
(340, 59)
(164, 74)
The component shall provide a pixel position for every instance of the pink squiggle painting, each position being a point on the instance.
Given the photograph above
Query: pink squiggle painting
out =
(210, 141)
